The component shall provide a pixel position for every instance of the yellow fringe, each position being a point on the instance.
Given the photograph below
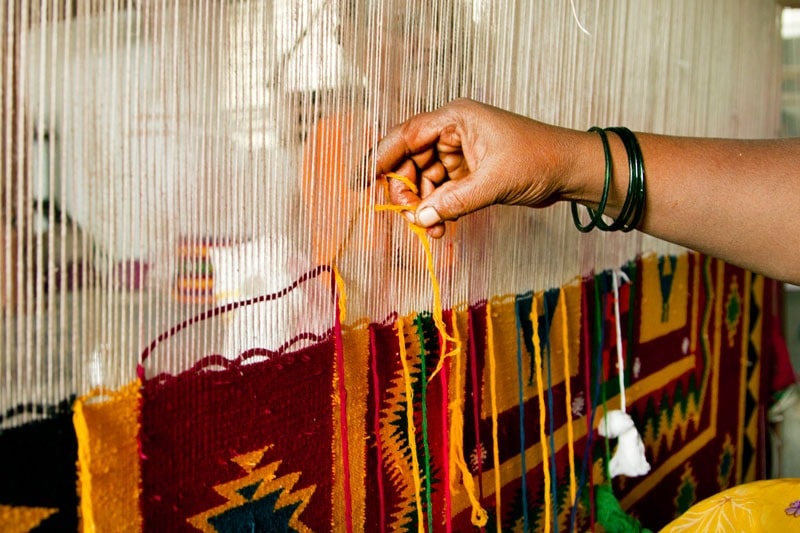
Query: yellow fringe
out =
(479, 515)
(570, 433)
(537, 354)
(412, 438)
(422, 234)
(493, 382)
(342, 296)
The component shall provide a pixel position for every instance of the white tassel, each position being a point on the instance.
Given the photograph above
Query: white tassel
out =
(628, 458)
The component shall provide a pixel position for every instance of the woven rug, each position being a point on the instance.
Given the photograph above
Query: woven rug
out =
(402, 425)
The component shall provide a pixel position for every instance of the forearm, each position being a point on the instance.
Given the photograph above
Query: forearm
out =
(736, 200)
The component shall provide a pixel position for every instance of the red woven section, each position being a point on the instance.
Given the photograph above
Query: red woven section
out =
(196, 423)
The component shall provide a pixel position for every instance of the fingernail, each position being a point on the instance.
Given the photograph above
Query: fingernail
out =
(409, 216)
(428, 217)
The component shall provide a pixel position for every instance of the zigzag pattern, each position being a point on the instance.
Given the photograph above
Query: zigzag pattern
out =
(397, 456)
(661, 424)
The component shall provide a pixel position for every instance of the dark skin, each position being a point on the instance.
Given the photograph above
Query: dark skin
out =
(732, 199)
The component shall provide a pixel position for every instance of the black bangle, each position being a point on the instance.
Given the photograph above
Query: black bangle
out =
(596, 215)
(632, 211)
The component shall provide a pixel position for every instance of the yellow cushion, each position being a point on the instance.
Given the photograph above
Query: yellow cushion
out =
(771, 505)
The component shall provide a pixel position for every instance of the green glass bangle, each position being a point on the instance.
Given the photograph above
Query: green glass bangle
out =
(596, 215)
(633, 208)
(624, 213)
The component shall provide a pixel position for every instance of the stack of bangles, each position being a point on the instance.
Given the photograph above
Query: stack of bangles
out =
(633, 208)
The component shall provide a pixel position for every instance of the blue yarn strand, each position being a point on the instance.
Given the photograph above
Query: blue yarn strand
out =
(595, 400)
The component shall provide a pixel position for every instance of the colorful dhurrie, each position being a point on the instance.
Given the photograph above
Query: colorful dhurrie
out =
(696, 386)
(483, 416)
(474, 446)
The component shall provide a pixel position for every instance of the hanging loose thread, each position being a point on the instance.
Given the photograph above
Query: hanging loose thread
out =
(521, 401)
(629, 458)
(438, 314)
(495, 444)
(551, 412)
(567, 386)
(479, 516)
(537, 356)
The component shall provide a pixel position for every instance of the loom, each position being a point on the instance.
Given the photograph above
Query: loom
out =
(206, 324)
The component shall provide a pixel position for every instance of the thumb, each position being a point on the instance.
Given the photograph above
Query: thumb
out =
(452, 200)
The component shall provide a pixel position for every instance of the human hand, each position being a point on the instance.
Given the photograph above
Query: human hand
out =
(466, 155)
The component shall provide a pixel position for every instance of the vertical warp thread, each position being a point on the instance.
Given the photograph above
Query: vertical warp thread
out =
(476, 405)
(591, 402)
(599, 302)
(618, 334)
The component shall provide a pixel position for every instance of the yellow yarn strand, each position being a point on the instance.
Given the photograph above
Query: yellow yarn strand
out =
(479, 515)
(422, 234)
(342, 298)
(404, 180)
(537, 355)
(570, 433)
(493, 383)
(412, 435)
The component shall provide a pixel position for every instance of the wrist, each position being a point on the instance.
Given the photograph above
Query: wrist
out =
(585, 172)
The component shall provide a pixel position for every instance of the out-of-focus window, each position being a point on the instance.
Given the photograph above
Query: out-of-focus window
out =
(790, 94)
